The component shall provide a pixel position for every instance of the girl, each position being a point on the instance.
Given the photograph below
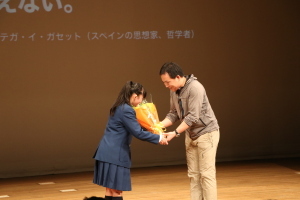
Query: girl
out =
(113, 162)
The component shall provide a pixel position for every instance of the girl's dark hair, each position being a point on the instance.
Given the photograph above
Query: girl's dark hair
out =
(126, 92)
(172, 69)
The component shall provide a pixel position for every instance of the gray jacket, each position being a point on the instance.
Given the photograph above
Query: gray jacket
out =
(195, 111)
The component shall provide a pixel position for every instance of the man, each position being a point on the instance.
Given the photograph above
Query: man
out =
(190, 105)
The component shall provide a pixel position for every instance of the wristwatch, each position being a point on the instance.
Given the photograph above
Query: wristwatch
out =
(177, 134)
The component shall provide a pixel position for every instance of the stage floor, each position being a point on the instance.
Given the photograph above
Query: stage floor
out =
(277, 179)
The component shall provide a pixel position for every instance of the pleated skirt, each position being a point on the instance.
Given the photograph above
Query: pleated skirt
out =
(112, 176)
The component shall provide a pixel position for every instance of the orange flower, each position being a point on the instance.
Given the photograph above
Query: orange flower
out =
(147, 117)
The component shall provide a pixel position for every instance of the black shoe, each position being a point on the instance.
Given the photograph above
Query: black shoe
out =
(93, 198)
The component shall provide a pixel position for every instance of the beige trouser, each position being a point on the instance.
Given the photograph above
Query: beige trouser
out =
(201, 162)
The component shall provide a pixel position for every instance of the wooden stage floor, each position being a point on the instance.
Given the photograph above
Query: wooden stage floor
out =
(277, 179)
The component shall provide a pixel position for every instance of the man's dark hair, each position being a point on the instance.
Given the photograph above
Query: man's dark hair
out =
(172, 69)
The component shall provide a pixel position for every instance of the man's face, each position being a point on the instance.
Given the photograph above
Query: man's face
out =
(172, 84)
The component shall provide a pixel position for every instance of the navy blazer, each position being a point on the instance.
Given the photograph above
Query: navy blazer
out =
(114, 146)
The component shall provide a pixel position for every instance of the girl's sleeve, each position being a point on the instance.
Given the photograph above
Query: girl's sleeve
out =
(133, 127)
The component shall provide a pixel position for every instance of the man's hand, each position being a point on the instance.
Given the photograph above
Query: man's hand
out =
(163, 141)
(169, 135)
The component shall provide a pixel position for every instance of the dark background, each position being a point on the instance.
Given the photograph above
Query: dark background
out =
(55, 92)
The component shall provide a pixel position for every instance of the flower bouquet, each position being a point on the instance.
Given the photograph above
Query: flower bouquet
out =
(147, 117)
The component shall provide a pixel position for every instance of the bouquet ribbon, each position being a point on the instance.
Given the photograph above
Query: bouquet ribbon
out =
(158, 128)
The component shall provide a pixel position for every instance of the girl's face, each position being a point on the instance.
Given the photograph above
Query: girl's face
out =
(136, 99)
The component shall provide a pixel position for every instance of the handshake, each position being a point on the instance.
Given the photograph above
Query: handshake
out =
(166, 137)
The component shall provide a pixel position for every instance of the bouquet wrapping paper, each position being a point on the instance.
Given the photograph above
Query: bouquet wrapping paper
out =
(147, 117)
